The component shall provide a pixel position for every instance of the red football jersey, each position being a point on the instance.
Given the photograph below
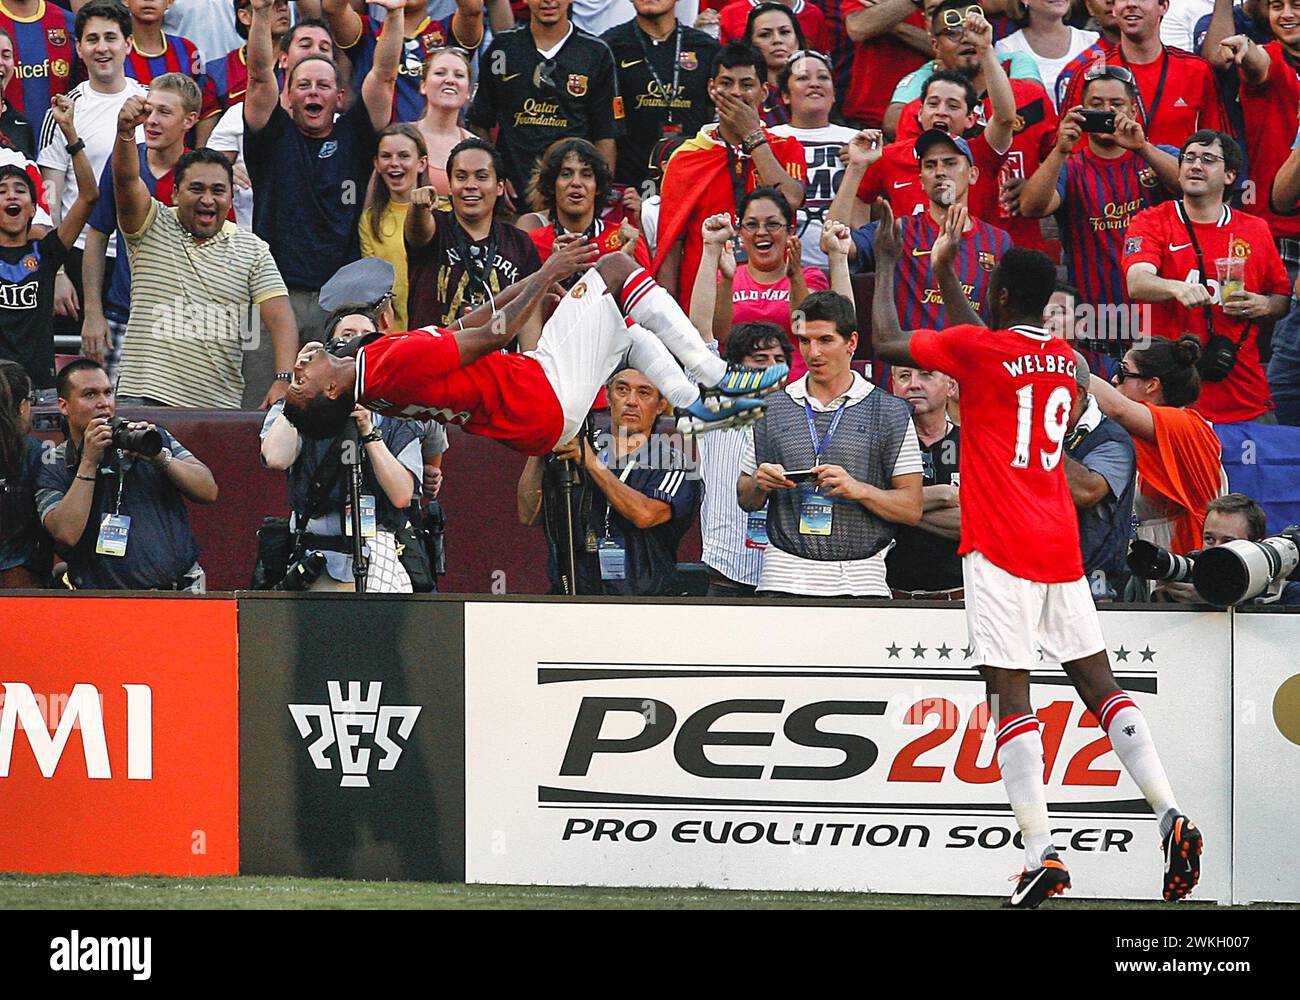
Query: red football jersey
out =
(878, 64)
(1017, 387)
(1158, 236)
(896, 177)
(732, 18)
(1178, 91)
(1032, 138)
(607, 241)
(418, 375)
(1269, 111)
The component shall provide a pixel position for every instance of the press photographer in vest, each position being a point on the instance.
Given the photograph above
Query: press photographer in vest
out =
(837, 462)
(113, 498)
(360, 297)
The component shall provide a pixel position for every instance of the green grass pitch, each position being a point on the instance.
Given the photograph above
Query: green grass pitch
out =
(20, 892)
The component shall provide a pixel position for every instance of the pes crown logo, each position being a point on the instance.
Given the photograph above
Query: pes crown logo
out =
(346, 721)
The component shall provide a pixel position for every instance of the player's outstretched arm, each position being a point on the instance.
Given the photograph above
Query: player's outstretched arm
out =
(942, 256)
(890, 341)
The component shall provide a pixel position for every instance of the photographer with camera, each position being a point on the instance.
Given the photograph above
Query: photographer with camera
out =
(1229, 518)
(1213, 271)
(392, 465)
(113, 496)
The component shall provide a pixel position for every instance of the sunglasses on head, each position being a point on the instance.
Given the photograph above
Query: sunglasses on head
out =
(1103, 72)
(952, 18)
(811, 54)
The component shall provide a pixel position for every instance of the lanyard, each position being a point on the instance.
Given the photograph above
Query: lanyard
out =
(622, 479)
(736, 168)
(1150, 116)
(820, 449)
(1200, 264)
(677, 67)
(479, 270)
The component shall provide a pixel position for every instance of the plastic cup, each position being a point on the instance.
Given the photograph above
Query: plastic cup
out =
(1232, 276)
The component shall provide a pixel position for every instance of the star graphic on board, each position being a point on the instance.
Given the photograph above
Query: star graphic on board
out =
(968, 652)
(943, 651)
(893, 649)
(1148, 654)
(918, 651)
(1121, 655)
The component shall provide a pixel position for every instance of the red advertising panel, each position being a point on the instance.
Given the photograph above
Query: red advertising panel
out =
(119, 735)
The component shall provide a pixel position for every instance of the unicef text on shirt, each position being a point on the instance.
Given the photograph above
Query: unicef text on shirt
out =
(208, 322)
(665, 452)
(1128, 322)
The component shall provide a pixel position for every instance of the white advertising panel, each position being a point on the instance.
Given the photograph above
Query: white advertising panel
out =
(834, 748)
(1266, 757)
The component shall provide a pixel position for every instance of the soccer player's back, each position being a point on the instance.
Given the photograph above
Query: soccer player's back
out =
(1021, 561)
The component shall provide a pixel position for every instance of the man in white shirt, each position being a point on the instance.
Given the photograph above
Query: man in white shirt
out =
(103, 31)
(837, 462)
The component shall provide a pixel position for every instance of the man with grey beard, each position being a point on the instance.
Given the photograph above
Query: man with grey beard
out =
(945, 231)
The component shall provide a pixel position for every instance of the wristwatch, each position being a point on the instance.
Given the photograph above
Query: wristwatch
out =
(73, 148)
(165, 457)
(755, 139)
(372, 437)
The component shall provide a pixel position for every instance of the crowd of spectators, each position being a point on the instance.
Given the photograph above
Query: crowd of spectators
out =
(181, 180)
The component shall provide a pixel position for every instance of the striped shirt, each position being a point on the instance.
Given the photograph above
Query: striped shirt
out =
(45, 54)
(1098, 201)
(179, 55)
(790, 574)
(190, 306)
(723, 524)
(920, 304)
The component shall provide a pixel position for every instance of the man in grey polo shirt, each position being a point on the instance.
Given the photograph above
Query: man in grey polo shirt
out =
(837, 462)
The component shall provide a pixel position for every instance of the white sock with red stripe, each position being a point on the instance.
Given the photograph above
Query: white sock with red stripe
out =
(649, 356)
(1020, 759)
(643, 300)
(1127, 728)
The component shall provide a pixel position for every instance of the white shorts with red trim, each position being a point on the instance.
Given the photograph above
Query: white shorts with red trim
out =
(1009, 618)
(581, 346)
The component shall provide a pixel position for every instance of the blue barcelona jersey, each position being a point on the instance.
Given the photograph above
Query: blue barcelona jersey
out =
(45, 51)
(1098, 200)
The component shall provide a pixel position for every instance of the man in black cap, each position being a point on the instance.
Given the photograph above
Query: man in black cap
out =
(945, 233)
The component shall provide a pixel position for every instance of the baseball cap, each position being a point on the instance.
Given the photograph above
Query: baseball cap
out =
(932, 136)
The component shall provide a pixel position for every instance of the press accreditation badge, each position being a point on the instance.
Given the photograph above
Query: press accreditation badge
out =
(367, 517)
(756, 529)
(816, 513)
(613, 559)
(113, 532)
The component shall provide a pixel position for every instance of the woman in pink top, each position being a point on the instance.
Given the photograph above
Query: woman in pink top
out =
(771, 281)
(446, 87)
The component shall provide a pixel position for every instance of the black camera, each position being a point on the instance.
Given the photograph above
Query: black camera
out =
(1218, 358)
(1151, 562)
(1101, 122)
(142, 441)
(303, 572)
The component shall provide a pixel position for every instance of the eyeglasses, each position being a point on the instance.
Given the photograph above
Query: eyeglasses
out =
(1123, 374)
(762, 227)
(1104, 72)
(811, 54)
(1209, 159)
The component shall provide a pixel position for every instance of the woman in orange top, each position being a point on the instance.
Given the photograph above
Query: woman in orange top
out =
(1178, 454)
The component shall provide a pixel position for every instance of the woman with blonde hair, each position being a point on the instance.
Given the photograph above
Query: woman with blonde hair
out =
(446, 87)
(401, 166)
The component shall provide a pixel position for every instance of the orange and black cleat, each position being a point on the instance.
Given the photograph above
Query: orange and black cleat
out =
(1032, 887)
(1182, 849)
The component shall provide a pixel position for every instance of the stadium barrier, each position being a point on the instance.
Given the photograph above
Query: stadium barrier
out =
(609, 742)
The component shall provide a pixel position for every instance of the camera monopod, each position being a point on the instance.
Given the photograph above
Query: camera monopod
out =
(350, 455)
(567, 473)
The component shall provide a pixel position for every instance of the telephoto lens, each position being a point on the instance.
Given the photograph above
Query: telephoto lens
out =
(1240, 570)
(1151, 562)
(303, 573)
(142, 441)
